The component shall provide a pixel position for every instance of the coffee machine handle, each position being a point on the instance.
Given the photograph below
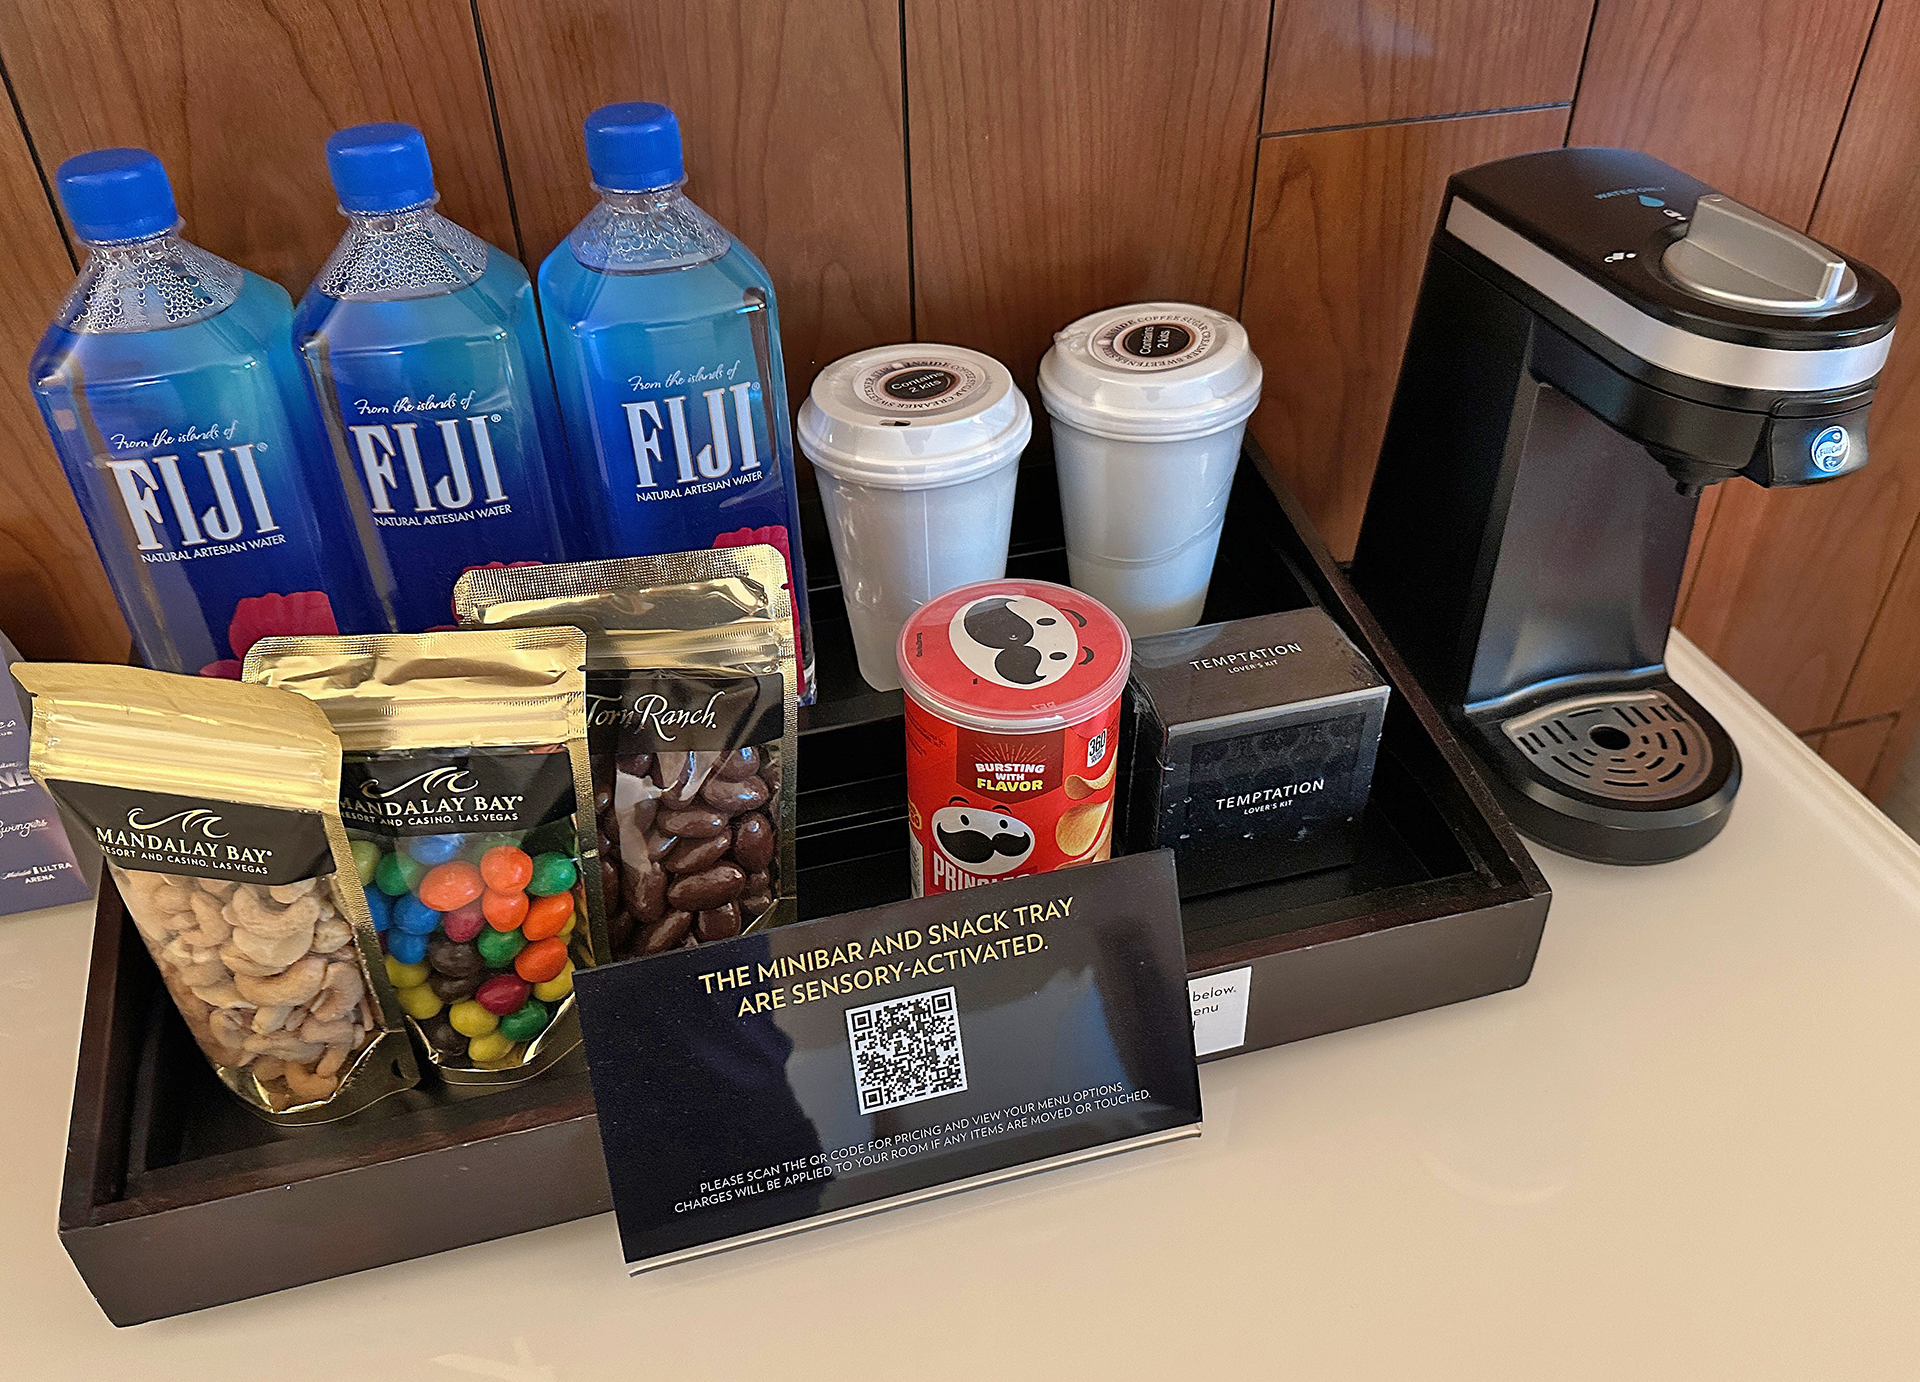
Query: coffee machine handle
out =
(1731, 253)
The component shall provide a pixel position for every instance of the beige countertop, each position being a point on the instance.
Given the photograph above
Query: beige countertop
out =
(1684, 1150)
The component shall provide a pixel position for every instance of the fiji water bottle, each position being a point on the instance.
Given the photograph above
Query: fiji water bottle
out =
(666, 355)
(423, 347)
(169, 383)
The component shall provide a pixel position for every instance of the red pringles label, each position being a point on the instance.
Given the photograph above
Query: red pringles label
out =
(1008, 767)
(1013, 721)
(988, 806)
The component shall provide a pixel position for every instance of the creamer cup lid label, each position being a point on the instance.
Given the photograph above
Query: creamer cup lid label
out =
(1155, 340)
(920, 384)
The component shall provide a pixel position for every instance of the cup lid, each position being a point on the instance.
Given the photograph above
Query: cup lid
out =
(1152, 370)
(1014, 655)
(914, 417)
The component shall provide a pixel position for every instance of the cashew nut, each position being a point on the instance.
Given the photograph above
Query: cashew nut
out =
(340, 992)
(240, 963)
(330, 934)
(271, 1019)
(278, 951)
(270, 1068)
(326, 1033)
(287, 892)
(307, 1086)
(220, 995)
(206, 971)
(283, 1044)
(250, 913)
(214, 927)
(298, 984)
(336, 1057)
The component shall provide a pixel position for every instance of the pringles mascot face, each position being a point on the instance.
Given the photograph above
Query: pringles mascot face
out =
(981, 841)
(1018, 641)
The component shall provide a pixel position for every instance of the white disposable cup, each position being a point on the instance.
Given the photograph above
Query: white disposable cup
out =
(1143, 547)
(898, 548)
(1146, 446)
(917, 449)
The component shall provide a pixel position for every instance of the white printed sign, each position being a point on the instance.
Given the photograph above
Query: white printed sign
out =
(1220, 1010)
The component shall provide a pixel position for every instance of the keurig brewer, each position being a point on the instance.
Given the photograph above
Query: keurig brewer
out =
(1598, 338)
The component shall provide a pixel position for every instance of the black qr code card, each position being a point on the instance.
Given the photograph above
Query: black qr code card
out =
(803, 1074)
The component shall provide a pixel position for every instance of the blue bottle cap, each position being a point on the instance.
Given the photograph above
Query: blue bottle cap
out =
(634, 147)
(381, 167)
(116, 194)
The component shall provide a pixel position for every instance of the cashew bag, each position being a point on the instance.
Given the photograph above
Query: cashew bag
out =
(216, 805)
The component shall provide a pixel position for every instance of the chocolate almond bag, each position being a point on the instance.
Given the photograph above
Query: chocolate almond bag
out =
(465, 769)
(216, 805)
(692, 727)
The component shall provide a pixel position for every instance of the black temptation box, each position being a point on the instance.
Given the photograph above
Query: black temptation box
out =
(1252, 747)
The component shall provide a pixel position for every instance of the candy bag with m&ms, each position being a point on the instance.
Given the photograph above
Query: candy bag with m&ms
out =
(465, 768)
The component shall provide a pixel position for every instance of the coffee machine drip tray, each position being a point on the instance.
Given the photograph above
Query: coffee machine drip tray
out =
(1624, 746)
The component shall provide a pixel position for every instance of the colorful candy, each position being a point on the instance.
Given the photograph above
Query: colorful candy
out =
(435, 849)
(547, 915)
(415, 917)
(485, 1050)
(552, 873)
(498, 948)
(504, 911)
(397, 874)
(470, 1019)
(507, 868)
(477, 930)
(402, 975)
(420, 1001)
(463, 923)
(366, 854)
(524, 1024)
(541, 960)
(450, 886)
(502, 994)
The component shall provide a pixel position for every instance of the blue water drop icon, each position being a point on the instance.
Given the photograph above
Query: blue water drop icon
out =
(1650, 201)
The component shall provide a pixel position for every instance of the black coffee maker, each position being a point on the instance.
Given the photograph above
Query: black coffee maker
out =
(1598, 338)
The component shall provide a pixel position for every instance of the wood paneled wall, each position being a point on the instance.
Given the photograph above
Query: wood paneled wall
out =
(982, 171)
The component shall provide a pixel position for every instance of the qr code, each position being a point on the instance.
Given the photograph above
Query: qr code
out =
(1096, 749)
(906, 1050)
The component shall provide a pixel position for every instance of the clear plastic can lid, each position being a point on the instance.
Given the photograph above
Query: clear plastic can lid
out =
(914, 417)
(1160, 371)
(1014, 655)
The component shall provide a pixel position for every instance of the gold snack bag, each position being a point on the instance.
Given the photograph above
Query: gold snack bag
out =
(692, 725)
(465, 766)
(217, 807)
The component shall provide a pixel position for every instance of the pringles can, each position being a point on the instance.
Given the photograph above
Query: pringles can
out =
(1013, 732)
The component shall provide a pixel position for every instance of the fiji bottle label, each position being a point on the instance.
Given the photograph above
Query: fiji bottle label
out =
(452, 477)
(216, 521)
(691, 461)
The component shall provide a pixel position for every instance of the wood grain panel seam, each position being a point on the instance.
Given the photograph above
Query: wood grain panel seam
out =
(1418, 119)
(1854, 90)
(1908, 551)
(1848, 724)
(906, 170)
(39, 166)
(1253, 182)
(1586, 51)
(499, 135)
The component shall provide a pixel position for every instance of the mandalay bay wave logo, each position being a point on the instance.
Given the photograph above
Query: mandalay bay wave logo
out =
(195, 820)
(434, 780)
